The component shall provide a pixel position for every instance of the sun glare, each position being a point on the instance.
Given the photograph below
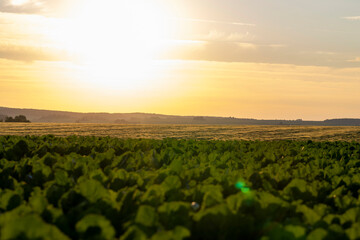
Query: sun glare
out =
(116, 40)
(18, 2)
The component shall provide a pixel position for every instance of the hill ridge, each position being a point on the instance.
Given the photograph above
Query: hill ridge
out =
(54, 116)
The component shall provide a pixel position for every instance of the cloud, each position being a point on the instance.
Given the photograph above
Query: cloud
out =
(325, 53)
(247, 45)
(356, 60)
(26, 7)
(31, 54)
(54, 8)
(250, 52)
(215, 35)
(218, 22)
(352, 18)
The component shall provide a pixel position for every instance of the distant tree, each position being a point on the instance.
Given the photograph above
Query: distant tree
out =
(20, 118)
(9, 119)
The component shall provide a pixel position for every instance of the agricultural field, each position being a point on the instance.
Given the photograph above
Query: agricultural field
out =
(201, 132)
(80, 187)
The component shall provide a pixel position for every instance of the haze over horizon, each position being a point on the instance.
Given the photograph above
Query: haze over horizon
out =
(247, 59)
(51, 113)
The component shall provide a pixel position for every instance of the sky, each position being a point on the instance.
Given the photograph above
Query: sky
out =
(261, 59)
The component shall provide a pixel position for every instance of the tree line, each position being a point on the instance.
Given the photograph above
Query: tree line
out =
(20, 118)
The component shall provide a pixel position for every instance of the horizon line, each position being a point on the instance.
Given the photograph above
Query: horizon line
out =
(241, 118)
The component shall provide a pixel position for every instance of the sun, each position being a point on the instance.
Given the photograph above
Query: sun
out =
(116, 41)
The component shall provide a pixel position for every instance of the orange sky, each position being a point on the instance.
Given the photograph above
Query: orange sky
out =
(180, 57)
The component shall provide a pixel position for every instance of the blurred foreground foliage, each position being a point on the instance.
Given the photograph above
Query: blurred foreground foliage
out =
(109, 188)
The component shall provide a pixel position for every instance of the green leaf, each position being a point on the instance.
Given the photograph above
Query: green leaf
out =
(351, 215)
(321, 209)
(172, 214)
(118, 179)
(216, 223)
(9, 200)
(317, 234)
(310, 216)
(98, 175)
(146, 216)
(93, 190)
(283, 233)
(49, 159)
(134, 233)
(153, 160)
(171, 182)
(173, 207)
(94, 226)
(120, 174)
(178, 233)
(28, 227)
(181, 233)
(354, 231)
(61, 177)
(154, 195)
(298, 189)
(266, 199)
(297, 231)
(17, 151)
(37, 200)
(176, 165)
(234, 202)
(218, 210)
(212, 198)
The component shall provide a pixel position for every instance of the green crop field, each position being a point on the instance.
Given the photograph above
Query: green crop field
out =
(109, 188)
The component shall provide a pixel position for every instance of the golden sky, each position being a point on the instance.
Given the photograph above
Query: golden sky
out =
(253, 59)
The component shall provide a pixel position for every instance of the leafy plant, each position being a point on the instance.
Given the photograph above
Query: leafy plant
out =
(108, 188)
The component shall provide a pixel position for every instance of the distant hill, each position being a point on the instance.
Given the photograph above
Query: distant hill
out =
(48, 116)
(2, 117)
(342, 122)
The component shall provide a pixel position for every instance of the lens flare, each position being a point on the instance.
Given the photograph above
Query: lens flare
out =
(239, 185)
(242, 187)
(195, 206)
